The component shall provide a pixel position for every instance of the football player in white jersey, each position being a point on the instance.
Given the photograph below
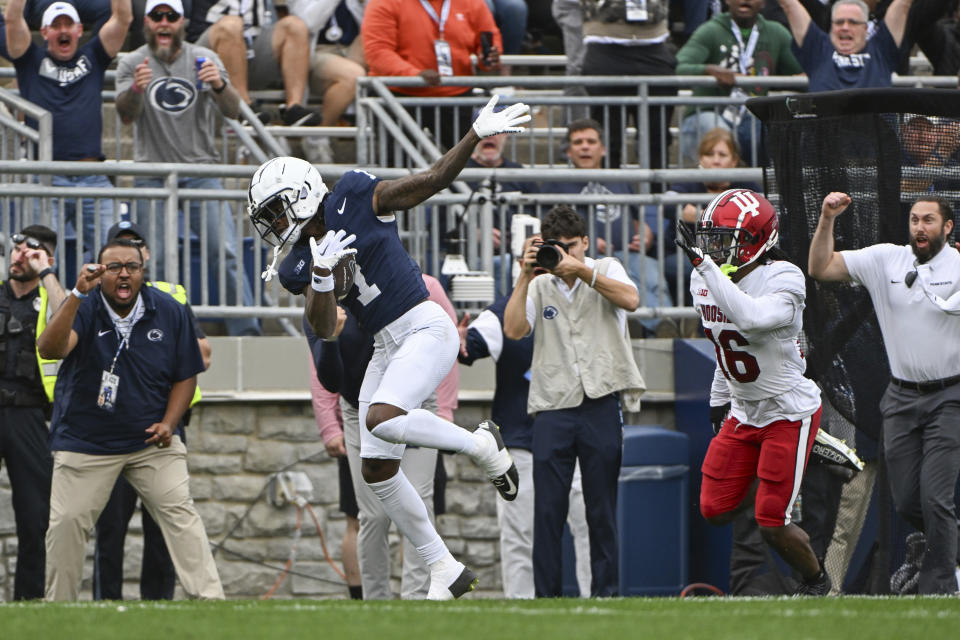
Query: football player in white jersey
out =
(765, 412)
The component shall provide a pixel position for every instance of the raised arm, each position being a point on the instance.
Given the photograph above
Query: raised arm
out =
(896, 19)
(58, 338)
(798, 18)
(403, 193)
(823, 262)
(114, 31)
(18, 33)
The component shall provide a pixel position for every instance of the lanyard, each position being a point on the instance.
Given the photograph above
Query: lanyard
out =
(117, 354)
(746, 52)
(441, 20)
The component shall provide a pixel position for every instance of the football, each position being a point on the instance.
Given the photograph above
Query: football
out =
(343, 273)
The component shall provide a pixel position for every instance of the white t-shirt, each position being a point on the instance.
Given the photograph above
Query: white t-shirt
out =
(922, 340)
(754, 325)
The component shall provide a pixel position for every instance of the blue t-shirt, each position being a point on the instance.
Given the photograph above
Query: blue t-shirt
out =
(602, 212)
(828, 70)
(514, 358)
(71, 91)
(387, 282)
(162, 350)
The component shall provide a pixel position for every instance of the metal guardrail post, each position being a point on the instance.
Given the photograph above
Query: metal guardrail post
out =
(171, 256)
(363, 126)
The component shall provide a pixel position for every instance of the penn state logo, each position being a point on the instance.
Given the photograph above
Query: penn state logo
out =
(155, 335)
(550, 312)
(173, 95)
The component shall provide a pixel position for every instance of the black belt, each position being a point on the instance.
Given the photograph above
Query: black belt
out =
(926, 387)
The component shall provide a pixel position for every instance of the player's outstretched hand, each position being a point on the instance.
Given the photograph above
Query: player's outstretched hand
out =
(331, 249)
(686, 241)
(490, 123)
(834, 204)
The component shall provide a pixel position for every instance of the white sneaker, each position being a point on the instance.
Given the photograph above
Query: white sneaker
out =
(450, 579)
(495, 460)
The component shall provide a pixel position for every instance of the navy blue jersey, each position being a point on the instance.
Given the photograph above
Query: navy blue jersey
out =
(71, 91)
(387, 282)
(513, 357)
(162, 350)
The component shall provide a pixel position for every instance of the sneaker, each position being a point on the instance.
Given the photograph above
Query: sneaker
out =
(816, 587)
(829, 450)
(317, 150)
(450, 580)
(298, 115)
(496, 460)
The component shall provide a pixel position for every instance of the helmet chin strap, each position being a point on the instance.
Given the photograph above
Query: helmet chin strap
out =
(271, 270)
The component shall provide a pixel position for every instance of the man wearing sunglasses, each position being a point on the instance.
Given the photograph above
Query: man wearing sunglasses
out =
(27, 299)
(847, 59)
(916, 294)
(173, 90)
(66, 79)
(130, 365)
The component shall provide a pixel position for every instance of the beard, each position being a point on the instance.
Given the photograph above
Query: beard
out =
(25, 275)
(164, 54)
(934, 245)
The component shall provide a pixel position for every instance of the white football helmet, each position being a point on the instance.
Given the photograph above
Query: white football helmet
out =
(285, 194)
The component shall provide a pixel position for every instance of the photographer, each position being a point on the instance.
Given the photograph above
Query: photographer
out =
(582, 363)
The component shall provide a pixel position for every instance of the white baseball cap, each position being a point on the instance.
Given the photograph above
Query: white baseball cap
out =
(176, 5)
(58, 9)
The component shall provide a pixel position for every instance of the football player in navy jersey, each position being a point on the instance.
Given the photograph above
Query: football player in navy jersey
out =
(351, 231)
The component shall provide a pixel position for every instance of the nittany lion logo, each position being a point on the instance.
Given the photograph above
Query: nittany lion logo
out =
(550, 312)
(172, 95)
(155, 335)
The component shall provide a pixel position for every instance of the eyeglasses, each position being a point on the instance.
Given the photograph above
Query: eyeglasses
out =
(839, 22)
(156, 15)
(910, 278)
(131, 267)
(32, 243)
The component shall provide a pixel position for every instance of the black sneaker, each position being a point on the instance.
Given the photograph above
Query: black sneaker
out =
(829, 450)
(816, 587)
(298, 115)
(497, 462)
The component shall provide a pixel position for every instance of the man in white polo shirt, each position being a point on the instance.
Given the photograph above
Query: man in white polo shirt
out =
(916, 294)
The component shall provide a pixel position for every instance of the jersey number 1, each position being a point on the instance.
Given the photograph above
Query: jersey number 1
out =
(739, 365)
(367, 291)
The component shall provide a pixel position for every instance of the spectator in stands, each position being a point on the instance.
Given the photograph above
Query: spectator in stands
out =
(585, 149)
(511, 19)
(117, 411)
(484, 337)
(728, 46)
(157, 87)
(717, 150)
(937, 35)
(928, 145)
(157, 575)
(568, 15)
(582, 375)
(258, 51)
(410, 38)
(92, 12)
(67, 80)
(629, 39)
(846, 59)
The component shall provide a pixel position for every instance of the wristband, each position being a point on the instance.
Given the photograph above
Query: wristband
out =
(80, 295)
(593, 280)
(222, 87)
(43, 274)
(322, 284)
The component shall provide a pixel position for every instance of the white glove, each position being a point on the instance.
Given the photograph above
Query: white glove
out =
(331, 249)
(489, 123)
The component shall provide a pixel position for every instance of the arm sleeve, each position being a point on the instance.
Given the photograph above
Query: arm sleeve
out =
(326, 408)
(693, 55)
(719, 389)
(379, 29)
(763, 313)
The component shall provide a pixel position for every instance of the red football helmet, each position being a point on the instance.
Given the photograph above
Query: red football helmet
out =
(737, 227)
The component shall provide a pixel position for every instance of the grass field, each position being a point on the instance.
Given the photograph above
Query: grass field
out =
(654, 619)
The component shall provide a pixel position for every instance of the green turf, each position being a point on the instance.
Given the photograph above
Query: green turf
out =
(654, 619)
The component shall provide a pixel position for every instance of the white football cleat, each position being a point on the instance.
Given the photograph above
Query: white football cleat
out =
(450, 580)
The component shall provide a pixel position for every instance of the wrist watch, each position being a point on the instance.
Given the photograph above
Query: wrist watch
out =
(44, 273)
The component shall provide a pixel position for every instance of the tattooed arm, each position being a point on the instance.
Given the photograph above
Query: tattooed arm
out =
(409, 191)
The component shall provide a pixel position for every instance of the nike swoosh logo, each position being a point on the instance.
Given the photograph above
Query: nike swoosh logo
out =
(896, 281)
(506, 480)
(342, 205)
(104, 332)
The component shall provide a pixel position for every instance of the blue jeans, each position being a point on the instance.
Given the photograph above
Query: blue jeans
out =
(88, 211)
(211, 235)
(511, 17)
(695, 125)
(649, 284)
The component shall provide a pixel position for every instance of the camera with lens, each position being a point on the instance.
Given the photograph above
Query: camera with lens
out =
(548, 255)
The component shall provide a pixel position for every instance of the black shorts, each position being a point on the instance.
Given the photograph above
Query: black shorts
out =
(348, 499)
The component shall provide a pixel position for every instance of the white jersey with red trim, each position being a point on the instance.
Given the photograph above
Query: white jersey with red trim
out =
(754, 326)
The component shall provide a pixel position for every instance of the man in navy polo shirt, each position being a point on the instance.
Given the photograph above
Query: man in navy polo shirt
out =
(130, 365)
(67, 80)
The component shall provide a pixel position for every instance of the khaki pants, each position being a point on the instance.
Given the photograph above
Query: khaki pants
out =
(80, 489)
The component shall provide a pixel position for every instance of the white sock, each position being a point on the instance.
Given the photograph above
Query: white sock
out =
(423, 429)
(405, 507)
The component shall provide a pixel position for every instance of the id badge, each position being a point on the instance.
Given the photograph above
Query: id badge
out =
(444, 57)
(107, 397)
(637, 10)
(733, 113)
